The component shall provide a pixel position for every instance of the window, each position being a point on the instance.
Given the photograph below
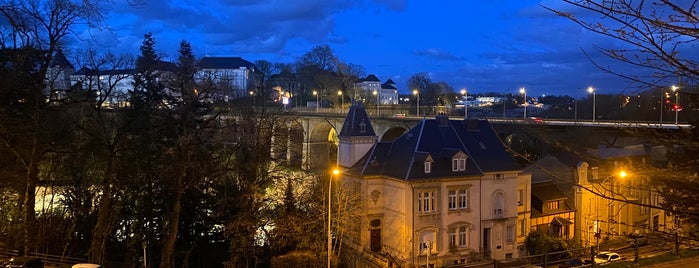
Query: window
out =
(498, 205)
(425, 202)
(553, 205)
(520, 198)
(510, 233)
(522, 227)
(458, 164)
(458, 236)
(426, 244)
(463, 198)
(452, 199)
(463, 237)
(428, 167)
(458, 198)
(499, 176)
(508, 256)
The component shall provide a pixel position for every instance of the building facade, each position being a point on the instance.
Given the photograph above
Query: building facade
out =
(445, 192)
(233, 77)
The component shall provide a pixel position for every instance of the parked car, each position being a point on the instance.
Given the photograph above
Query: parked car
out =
(87, 265)
(604, 257)
(572, 263)
(23, 261)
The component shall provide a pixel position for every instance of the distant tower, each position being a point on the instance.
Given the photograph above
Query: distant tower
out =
(356, 137)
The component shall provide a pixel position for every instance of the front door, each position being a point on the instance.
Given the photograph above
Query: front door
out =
(375, 240)
(486, 242)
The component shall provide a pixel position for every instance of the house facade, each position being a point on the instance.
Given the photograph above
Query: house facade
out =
(385, 94)
(445, 192)
(234, 77)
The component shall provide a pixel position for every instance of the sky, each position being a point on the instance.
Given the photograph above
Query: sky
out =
(482, 46)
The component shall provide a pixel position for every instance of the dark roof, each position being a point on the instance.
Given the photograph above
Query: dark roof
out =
(225, 63)
(161, 66)
(387, 86)
(369, 78)
(439, 139)
(356, 121)
(550, 168)
(84, 71)
(546, 192)
(59, 59)
(390, 82)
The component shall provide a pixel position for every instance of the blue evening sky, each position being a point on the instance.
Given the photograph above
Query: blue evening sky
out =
(484, 46)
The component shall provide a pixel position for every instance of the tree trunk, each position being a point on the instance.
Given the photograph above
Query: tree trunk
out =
(28, 214)
(98, 245)
(166, 259)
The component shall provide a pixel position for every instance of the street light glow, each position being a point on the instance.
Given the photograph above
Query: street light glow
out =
(622, 174)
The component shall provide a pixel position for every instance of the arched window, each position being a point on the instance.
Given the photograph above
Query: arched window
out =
(498, 205)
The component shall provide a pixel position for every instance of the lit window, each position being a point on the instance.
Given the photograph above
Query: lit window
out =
(553, 205)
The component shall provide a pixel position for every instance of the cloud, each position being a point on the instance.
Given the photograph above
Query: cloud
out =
(437, 54)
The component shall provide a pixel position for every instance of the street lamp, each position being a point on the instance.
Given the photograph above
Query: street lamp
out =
(523, 91)
(330, 183)
(252, 94)
(342, 100)
(417, 94)
(376, 93)
(675, 90)
(315, 93)
(591, 90)
(465, 93)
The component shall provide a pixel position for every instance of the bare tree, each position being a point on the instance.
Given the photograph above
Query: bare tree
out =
(42, 25)
(660, 35)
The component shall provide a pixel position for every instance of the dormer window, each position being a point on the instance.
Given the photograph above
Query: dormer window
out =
(458, 162)
(428, 164)
(362, 127)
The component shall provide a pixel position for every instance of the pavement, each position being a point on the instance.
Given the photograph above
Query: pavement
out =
(680, 263)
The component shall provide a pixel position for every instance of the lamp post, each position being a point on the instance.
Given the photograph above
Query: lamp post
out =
(376, 93)
(315, 93)
(342, 100)
(675, 90)
(523, 91)
(417, 94)
(330, 183)
(464, 93)
(591, 90)
(252, 94)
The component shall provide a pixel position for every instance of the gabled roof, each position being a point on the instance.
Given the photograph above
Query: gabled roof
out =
(387, 86)
(390, 82)
(369, 78)
(357, 122)
(59, 60)
(440, 139)
(225, 63)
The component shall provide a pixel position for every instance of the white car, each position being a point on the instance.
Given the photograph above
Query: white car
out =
(604, 257)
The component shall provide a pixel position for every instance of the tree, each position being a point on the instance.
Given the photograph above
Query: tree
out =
(660, 36)
(38, 28)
